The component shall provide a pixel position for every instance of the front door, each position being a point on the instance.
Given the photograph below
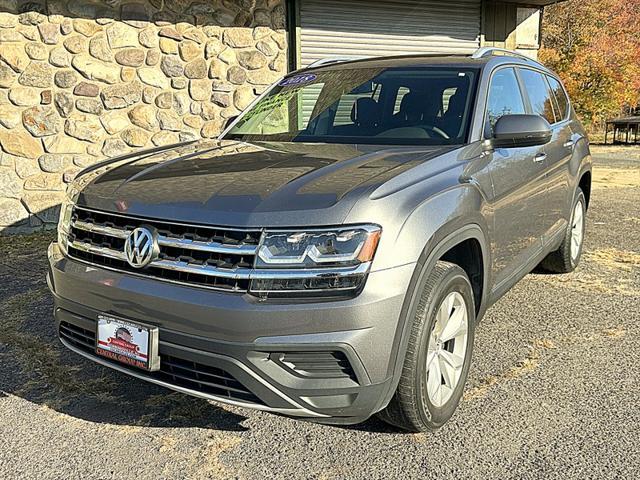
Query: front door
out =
(518, 176)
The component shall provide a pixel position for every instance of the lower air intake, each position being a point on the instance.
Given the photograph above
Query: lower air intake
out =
(173, 370)
(317, 364)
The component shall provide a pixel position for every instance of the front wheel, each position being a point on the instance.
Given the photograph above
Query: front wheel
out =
(567, 257)
(438, 355)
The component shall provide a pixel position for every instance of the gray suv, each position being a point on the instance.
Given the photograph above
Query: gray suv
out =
(330, 255)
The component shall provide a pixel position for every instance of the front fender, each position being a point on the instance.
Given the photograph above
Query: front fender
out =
(437, 217)
(433, 228)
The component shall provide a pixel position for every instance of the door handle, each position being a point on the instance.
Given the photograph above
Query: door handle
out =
(540, 157)
(568, 144)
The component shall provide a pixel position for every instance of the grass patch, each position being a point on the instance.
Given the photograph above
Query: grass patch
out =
(40, 360)
(17, 245)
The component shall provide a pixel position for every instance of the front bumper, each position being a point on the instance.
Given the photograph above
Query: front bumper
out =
(234, 349)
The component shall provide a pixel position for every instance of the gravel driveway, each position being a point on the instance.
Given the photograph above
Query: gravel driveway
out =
(553, 389)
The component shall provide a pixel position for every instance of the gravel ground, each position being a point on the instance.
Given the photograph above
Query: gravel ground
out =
(553, 390)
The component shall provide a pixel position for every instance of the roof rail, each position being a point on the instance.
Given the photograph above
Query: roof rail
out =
(330, 60)
(494, 51)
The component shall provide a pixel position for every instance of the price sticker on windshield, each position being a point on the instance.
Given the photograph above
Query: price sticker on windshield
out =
(297, 80)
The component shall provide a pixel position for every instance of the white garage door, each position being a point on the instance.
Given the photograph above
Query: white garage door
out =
(331, 28)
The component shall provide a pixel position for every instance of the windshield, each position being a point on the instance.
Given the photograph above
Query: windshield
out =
(391, 106)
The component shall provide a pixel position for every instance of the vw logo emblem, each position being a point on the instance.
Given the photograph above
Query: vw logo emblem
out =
(140, 247)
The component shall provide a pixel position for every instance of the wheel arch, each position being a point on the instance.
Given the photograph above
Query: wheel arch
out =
(444, 241)
(584, 182)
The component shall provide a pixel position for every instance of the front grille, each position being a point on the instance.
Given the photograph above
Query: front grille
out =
(207, 256)
(317, 364)
(173, 370)
(78, 337)
(203, 378)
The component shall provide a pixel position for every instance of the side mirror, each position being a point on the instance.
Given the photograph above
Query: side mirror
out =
(520, 131)
(229, 121)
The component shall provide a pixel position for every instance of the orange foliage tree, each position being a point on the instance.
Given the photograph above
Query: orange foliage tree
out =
(594, 45)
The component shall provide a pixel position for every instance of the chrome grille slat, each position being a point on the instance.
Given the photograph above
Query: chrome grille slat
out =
(212, 247)
(101, 229)
(97, 250)
(166, 264)
(240, 273)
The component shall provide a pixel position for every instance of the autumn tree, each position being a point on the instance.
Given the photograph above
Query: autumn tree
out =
(594, 45)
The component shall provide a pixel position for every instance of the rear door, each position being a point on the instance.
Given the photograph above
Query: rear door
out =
(518, 181)
(558, 150)
(560, 194)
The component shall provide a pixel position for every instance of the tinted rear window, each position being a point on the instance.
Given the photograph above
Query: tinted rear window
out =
(539, 94)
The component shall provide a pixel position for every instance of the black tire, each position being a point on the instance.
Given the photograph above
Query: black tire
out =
(562, 260)
(410, 408)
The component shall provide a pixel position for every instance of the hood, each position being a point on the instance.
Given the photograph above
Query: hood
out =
(239, 184)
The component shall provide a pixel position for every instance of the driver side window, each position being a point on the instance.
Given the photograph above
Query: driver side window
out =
(505, 98)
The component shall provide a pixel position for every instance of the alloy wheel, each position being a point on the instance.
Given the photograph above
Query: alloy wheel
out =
(577, 230)
(447, 349)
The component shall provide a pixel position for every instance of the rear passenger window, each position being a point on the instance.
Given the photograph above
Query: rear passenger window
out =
(539, 94)
(505, 97)
(561, 98)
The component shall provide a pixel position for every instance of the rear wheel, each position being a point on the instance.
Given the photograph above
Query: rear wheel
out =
(567, 257)
(438, 355)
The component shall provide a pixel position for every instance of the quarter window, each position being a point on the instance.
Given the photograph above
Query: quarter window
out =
(539, 94)
(561, 98)
(505, 97)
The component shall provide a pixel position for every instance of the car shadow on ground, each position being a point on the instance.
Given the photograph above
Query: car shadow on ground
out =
(35, 366)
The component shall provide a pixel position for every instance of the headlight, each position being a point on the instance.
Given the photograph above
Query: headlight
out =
(317, 249)
(315, 263)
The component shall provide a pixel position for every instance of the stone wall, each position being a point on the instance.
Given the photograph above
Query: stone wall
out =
(82, 80)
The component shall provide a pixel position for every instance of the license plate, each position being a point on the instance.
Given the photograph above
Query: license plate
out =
(128, 342)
